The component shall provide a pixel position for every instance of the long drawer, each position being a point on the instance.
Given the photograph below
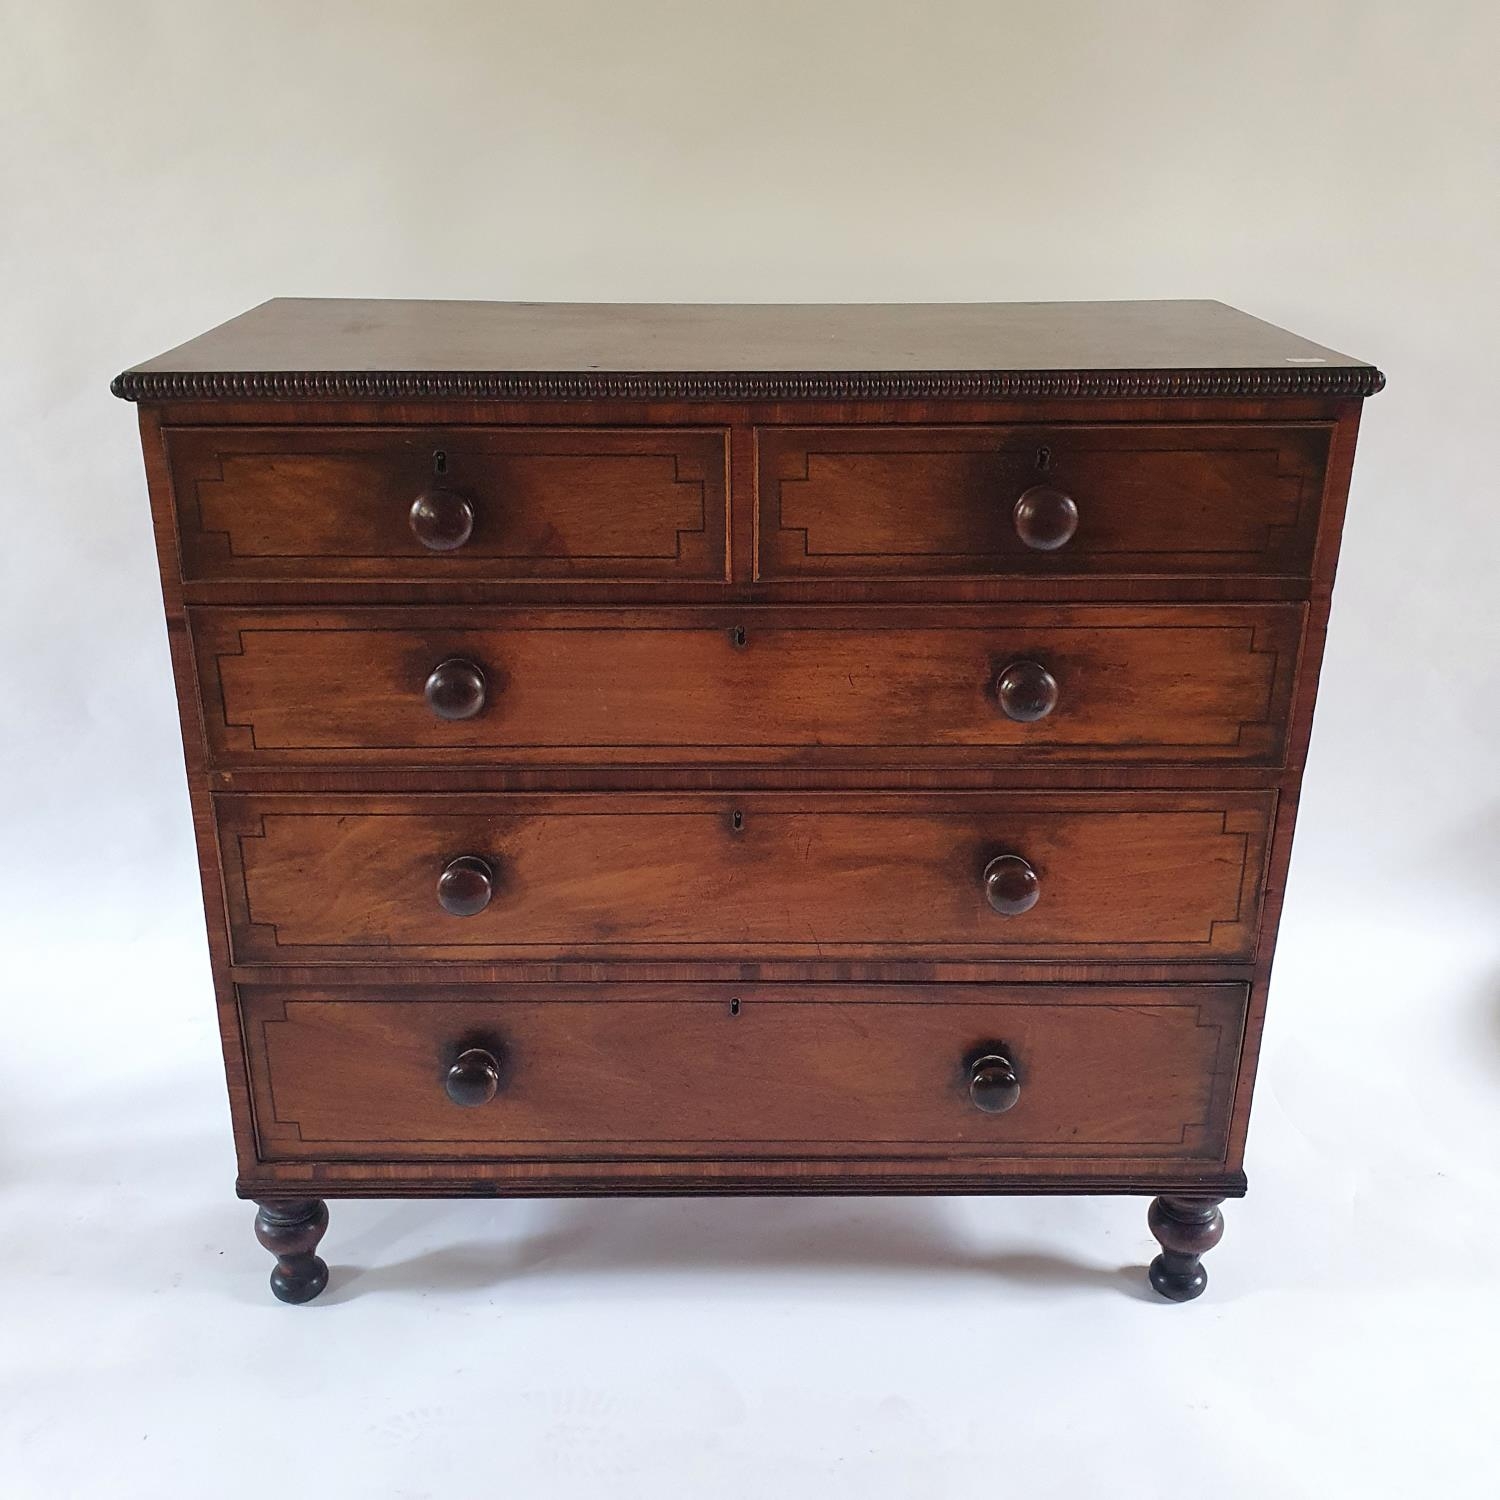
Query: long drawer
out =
(1108, 876)
(759, 1071)
(438, 505)
(930, 687)
(1113, 499)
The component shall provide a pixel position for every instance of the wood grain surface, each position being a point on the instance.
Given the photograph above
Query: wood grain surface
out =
(734, 593)
(852, 875)
(615, 1071)
(929, 501)
(899, 687)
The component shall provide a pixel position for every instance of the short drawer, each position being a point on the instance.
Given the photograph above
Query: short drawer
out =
(595, 1072)
(411, 504)
(762, 875)
(930, 502)
(932, 687)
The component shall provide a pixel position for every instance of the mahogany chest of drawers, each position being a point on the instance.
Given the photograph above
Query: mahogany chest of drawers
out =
(643, 750)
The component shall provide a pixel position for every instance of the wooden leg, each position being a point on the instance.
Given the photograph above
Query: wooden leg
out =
(1188, 1228)
(290, 1229)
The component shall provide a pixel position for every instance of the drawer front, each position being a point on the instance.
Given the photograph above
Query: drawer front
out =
(593, 876)
(770, 1071)
(851, 502)
(521, 503)
(930, 687)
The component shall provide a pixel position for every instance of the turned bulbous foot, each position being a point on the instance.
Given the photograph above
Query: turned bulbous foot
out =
(1187, 1228)
(290, 1230)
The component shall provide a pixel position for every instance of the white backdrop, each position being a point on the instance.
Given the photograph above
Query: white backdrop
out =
(1334, 167)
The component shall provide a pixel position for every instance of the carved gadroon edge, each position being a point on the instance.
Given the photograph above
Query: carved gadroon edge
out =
(1349, 381)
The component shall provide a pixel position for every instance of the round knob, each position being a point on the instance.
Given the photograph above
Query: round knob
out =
(474, 1078)
(441, 520)
(465, 886)
(993, 1085)
(456, 689)
(1010, 885)
(1027, 691)
(1045, 518)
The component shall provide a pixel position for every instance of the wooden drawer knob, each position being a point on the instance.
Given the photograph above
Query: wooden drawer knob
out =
(465, 886)
(1026, 691)
(474, 1078)
(1045, 518)
(456, 689)
(1011, 885)
(441, 520)
(993, 1084)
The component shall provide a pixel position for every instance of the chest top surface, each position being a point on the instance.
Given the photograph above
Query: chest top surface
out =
(313, 347)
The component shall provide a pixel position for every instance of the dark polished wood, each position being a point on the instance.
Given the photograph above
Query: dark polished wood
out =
(745, 750)
(456, 689)
(466, 885)
(1187, 1229)
(994, 1085)
(1026, 692)
(291, 1229)
(474, 1077)
(1045, 518)
(441, 520)
(335, 348)
(1011, 885)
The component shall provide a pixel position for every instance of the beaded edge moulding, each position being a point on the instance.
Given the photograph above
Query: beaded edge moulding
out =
(1350, 381)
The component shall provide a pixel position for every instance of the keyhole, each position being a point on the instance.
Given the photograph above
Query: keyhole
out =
(737, 636)
(440, 462)
(737, 820)
(734, 1007)
(1043, 459)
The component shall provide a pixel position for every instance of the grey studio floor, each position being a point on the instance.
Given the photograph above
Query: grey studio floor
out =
(820, 1347)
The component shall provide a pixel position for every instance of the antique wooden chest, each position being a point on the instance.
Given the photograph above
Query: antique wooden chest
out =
(667, 749)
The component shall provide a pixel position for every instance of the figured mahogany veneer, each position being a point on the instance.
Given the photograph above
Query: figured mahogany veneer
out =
(773, 1072)
(1192, 685)
(933, 501)
(823, 875)
(745, 749)
(331, 503)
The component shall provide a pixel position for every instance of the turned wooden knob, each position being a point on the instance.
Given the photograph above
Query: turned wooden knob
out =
(1026, 691)
(1045, 518)
(993, 1084)
(465, 886)
(455, 689)
(1011, 885)
(474, 1078)
(441, 520)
